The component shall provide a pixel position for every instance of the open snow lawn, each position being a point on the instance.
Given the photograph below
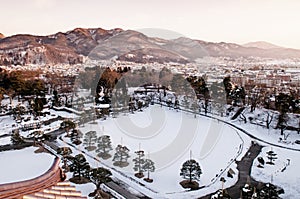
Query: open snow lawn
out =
(169, 138)
(23, 164)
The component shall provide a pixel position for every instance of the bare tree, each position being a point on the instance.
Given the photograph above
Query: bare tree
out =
(269, 119)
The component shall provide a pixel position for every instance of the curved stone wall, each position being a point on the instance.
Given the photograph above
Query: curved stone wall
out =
(18, 189)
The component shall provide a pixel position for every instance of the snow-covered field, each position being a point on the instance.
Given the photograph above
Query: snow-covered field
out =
(23, 164)
(169, 137)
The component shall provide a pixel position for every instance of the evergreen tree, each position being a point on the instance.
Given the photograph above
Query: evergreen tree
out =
(80, 167)
(75, 136)
(138, 163)
(282, 103)
(218, 97)
(104, 146)
(178, 84)
(140, 105)
(68, 125)
(271, 156)
(121, 156)
(148, 166)
(100, 175)
(269, 191)
(261, 162)
(89, 140)
(191, 170)
(2, 92)
(55, 98)
(38, 106)
(65, 152)
(16, 138)
(228, 87)
(176, 104)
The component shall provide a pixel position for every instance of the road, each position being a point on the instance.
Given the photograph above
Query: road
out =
(121, 190)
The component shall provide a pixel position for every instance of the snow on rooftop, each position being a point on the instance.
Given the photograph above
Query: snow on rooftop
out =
(23, 164)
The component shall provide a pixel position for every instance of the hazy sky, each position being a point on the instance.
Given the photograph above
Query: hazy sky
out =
(239, 21)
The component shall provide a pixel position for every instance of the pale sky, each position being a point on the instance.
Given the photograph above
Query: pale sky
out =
(238, 21)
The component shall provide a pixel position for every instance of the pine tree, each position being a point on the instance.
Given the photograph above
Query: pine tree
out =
(75, 136)
(148, 166)
(104, 146)
(121, 156)
(65, 152)
(140, 105)
(261, 162)
(2, 92)
(138, 163)
(218, 97)
(100, 175)
(176, 103)
(269, 191)
(68, 125)
(80, 167)
(89, 140)
(191, 170)
(271, 156)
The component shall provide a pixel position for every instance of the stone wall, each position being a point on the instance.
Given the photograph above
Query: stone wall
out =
(18, 189)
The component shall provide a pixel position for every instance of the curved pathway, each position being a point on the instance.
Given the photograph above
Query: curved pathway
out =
(244, 167)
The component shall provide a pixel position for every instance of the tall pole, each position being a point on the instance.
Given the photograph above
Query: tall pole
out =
(148, 169)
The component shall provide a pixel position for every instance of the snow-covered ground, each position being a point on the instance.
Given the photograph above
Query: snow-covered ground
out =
(5, 140)
(289, 179)
(285, 172)
(170, 137)
(270, 135)
(23, 164)
(6, 124)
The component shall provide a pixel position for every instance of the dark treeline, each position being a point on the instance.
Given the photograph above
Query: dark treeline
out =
(21, 83)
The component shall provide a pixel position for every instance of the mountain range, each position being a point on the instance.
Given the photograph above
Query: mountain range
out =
(74, 46)
(261, 44)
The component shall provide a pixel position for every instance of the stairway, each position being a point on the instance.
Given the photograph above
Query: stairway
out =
(62, 190)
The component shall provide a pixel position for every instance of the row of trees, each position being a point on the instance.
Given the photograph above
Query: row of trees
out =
(190, 170)
(121, 155)
(82, 171)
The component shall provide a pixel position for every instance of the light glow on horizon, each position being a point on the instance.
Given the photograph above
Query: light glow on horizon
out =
(237, 21)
